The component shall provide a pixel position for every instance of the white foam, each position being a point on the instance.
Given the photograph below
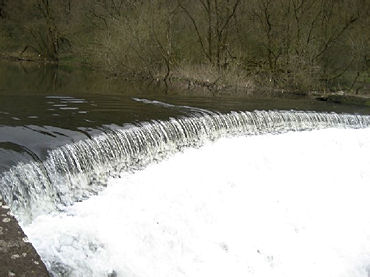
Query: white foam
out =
(167, 105)
(288, 205)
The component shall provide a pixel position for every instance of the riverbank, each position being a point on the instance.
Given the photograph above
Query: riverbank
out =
(198, 81)
(18, 258)
(343, 98)
(238, 86)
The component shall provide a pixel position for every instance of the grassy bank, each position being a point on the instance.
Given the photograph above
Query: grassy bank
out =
(222, 46)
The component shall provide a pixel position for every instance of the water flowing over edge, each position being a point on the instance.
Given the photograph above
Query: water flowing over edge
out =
(76, 171)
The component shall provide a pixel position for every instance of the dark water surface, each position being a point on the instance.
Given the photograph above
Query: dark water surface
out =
(43, 107)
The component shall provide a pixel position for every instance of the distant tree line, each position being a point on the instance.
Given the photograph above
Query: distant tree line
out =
(291, 44)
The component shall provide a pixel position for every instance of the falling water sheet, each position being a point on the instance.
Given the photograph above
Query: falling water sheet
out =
(74, 172)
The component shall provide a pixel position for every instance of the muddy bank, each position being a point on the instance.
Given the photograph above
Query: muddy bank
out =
(349, 99)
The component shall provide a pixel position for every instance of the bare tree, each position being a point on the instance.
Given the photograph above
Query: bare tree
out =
(217, 16)
(2, 8)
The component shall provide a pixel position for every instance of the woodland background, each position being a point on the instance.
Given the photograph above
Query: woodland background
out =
(301, 45)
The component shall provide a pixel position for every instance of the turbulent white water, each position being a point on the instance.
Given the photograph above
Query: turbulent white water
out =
(293, 204)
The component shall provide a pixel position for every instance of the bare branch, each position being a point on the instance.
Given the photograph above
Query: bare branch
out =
(196, 30)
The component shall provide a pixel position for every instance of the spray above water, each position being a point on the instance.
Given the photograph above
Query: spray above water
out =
(76, 171)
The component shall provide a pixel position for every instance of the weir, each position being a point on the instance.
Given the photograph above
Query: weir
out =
(76, 171)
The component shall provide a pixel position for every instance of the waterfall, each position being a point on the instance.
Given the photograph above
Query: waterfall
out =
(76, 171)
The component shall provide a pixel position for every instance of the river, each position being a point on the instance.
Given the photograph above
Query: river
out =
(116, 178)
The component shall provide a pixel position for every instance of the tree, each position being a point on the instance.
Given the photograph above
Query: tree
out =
(2, 8)
(216, 16)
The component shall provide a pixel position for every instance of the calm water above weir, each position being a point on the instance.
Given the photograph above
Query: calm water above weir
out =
(42, 108)
(108, 178)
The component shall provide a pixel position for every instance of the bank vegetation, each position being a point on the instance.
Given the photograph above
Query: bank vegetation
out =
(295, 45)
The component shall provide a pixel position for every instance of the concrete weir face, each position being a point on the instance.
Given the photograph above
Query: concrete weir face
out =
(18, 258)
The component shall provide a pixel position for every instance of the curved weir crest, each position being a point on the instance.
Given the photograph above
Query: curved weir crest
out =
(76, 171)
